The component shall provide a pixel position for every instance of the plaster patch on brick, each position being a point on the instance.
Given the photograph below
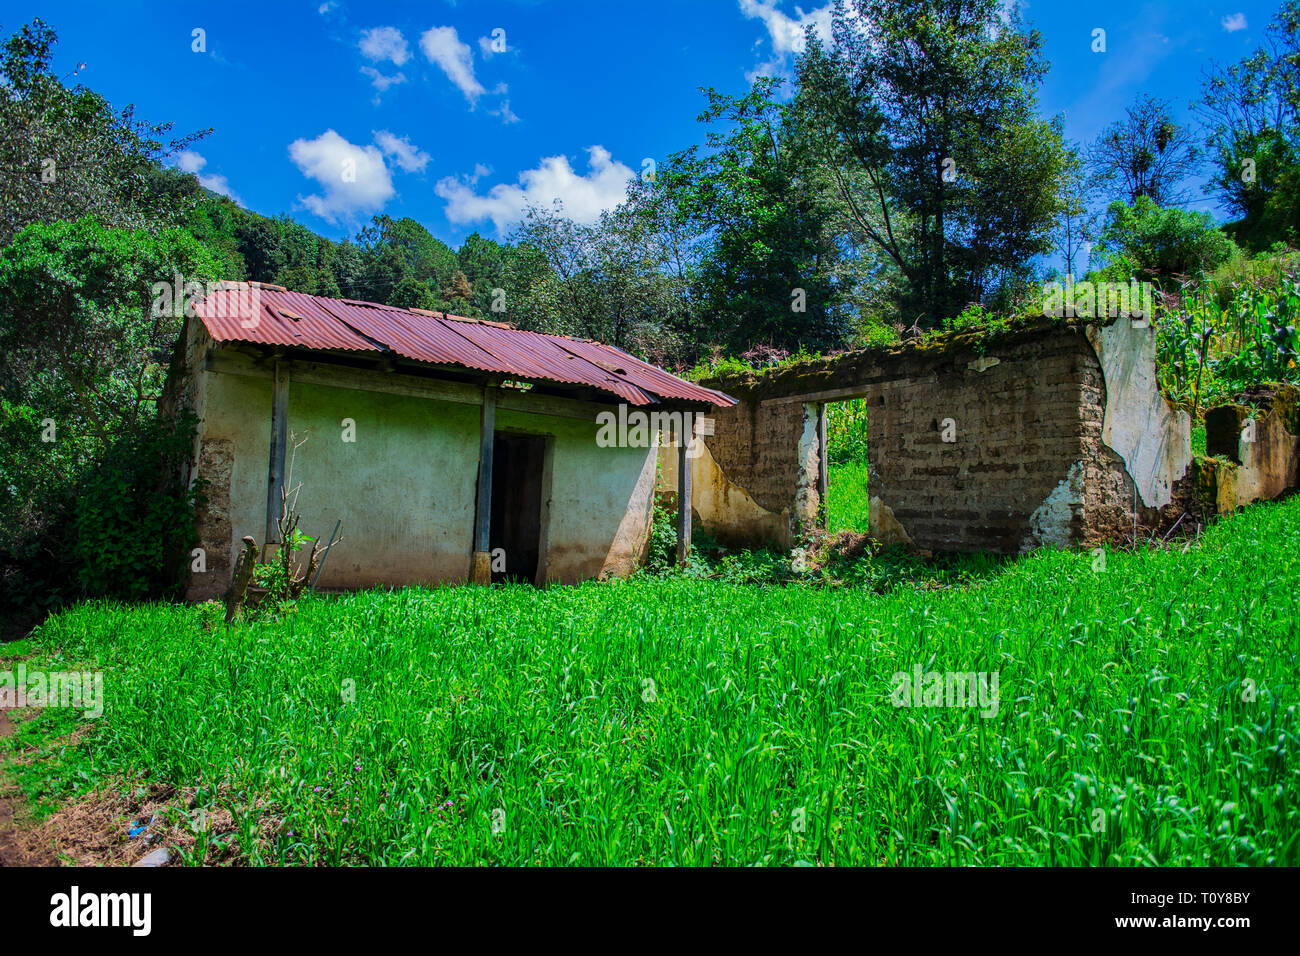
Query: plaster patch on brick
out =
(807, 500)
(1269, 464)
(1152, 437)
(723, 508)
(1052, 521)
(883, 526)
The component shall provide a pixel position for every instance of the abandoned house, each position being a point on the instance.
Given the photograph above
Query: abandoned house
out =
(450, 449)
(1042, 433)
(443, 444)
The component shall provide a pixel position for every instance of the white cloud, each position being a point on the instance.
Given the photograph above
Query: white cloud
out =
(1234, 22)
(327, 6)
(583, 198)
(785, 32)
(506, 113)
(443, 47)
(355, 179)
(188, 161)
(385, 43)
(407, 156)
(380, 81)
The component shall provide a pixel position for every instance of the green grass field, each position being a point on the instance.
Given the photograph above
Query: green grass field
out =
(846, 497)
(1148, 715)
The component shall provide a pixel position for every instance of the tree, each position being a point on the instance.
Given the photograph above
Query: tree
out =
(484, 263)
(65, 154)
(83, 359)
(80, 337)
(1145, 154)
(926, 124)
(1143, 238)
(1076, 225)
(610, 280)
(761, 275)
(1251, 112)
(393, 249)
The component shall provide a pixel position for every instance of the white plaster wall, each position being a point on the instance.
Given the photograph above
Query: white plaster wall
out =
(405, 489)
(1153, 438)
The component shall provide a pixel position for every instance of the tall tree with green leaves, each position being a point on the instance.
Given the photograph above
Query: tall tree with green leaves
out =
(923, 115)
(762, 275)
(65, 153)
(84, 356)
(1251, 114)
(402, 254)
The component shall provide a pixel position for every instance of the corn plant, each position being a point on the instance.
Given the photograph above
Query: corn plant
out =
(846, 431)
(1206, 347)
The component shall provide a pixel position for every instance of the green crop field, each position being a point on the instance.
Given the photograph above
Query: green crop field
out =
(1147, 714)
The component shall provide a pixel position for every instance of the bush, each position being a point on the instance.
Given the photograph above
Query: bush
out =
(135, 519)
(37, 496)
(846, 431)
(1143, 238)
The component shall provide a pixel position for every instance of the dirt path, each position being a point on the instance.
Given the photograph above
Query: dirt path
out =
(16, 845)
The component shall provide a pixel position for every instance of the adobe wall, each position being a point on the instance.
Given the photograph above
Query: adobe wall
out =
(1057, 435)
(965, 439)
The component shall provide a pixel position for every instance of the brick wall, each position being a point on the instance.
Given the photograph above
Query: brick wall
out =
(1024, 408)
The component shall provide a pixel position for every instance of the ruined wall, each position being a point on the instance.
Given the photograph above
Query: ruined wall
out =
(1016, 408)
(734, 518)
(405, 488)
(1254, 446)
(1058, 436)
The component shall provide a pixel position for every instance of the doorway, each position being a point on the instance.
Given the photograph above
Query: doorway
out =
(847, 493)
(518, 466)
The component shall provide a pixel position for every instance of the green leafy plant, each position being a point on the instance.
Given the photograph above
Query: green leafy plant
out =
(1146, 239)
(135, 517)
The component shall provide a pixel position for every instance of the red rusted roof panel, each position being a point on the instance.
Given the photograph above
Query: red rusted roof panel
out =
(243, 314)
(269, 315)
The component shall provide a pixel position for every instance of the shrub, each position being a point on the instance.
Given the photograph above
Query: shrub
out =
(135, 518)
(1145, 238)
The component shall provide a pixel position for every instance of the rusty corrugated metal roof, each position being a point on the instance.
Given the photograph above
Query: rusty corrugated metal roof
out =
(271, 315)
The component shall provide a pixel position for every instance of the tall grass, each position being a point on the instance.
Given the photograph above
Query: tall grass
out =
(846, 440)
(847, 497)
(1148, 716)
(846, 431)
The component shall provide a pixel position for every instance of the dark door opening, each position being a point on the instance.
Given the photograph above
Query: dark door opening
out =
(517, 466)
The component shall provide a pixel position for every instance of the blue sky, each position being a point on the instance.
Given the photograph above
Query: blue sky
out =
(438, 123)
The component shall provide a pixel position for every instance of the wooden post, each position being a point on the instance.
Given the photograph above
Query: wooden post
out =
(237, 593)
(683, 496)
(279, 442)
(823, 477)
(481, 565)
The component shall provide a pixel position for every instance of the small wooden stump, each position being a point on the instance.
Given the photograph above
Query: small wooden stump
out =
(238, 590)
